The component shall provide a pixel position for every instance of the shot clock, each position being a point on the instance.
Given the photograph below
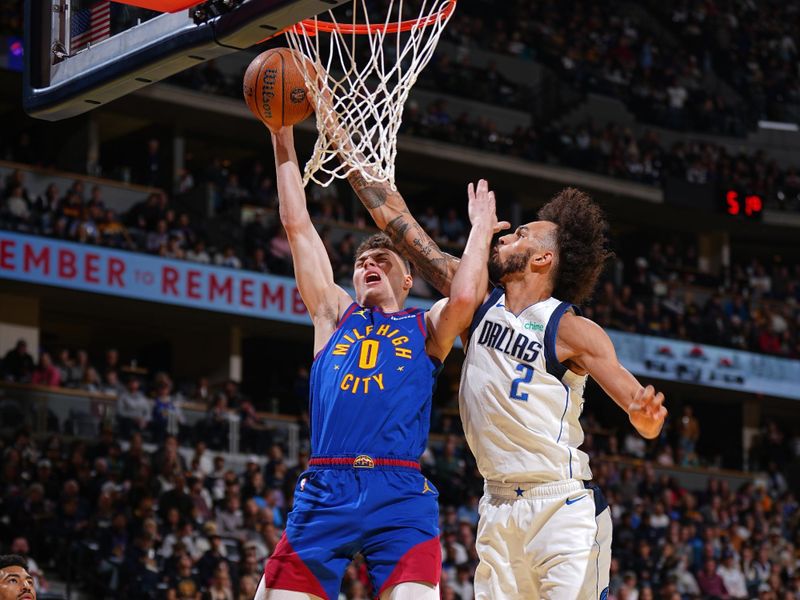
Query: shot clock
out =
(737, 203)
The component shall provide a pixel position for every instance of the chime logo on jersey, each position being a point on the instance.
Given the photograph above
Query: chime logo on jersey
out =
(369, 341)
(504, 339)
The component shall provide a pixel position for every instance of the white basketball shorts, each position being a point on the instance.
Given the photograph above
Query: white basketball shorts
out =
(549, 541)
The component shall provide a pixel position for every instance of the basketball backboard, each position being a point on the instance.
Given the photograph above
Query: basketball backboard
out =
(80, 54)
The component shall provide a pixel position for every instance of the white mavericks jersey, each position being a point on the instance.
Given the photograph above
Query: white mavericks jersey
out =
(519, 405)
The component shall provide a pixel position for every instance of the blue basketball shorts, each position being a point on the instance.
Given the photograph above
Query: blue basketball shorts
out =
(390, 514)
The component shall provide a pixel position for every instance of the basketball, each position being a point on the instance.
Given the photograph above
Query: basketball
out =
(274, 89)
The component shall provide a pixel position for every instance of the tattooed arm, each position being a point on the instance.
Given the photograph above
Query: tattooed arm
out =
(391, 215)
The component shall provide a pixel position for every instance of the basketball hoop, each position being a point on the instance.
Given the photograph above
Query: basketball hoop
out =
(362, 74)
(312, 26)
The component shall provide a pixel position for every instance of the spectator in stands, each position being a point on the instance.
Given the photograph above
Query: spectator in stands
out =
(111, 384)
(453, 228)
(71, 210)
(46, 373)
(255, 434)
(183, 231)
(258, 261)
(152, 170)
(345, 250)
(710, 582)
(232, 394)
(16, 208)
(430, 221)
(91, 381)
(221, 586)
(164, 408)
(233, 193)
(280, 255)
(44, 209)
(688, 431)
(462, 585)
(732, 576)
(78, 369)
(228, 258)
(18, 364)
(177, 497)
(214, 556)
(64, 365)
(229, 517)
(139, 576)
(172, 249)
(20, 547)
(158, 238)
(134, 410)
(112, 232)
(217, 423)
(183, 585)
(111, 361)
(198, 253)
(265, 194)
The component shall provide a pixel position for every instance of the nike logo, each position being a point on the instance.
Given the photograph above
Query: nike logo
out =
(576, 499)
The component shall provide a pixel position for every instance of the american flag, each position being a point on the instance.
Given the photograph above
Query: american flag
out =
(90, 25)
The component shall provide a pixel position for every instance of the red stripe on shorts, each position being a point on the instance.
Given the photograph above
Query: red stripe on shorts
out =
(348, 462)
(285, 570)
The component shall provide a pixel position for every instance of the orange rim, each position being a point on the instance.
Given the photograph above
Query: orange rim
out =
(312, 27)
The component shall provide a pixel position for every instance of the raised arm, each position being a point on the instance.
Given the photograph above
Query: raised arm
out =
(585, 344)
(451, 316)
(324, 300)
(390, 213)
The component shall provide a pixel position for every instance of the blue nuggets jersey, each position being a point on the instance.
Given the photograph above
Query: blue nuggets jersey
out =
(371, 386)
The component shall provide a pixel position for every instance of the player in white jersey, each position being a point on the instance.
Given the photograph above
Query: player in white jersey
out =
(544, 530)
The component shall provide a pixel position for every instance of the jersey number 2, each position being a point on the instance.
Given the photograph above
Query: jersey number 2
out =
(527, 375)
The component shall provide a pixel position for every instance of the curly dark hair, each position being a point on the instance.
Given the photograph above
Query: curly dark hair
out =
(380, 240)
(13, 560)
(581, 243)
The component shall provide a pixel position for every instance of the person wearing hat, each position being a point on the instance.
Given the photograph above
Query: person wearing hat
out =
(203, 542)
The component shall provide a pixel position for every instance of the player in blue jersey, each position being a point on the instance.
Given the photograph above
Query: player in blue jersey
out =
(374, 371)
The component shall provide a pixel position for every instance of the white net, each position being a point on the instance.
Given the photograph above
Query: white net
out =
(364, 70)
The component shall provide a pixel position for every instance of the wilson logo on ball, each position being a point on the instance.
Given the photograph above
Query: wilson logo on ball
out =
(274, 88)
(297, 95)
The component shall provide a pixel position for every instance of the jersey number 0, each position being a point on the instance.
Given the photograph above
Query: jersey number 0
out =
(368, 357)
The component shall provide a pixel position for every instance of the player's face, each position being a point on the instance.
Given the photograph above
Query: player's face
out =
(16, 584)
(380, 276)
(513, 252)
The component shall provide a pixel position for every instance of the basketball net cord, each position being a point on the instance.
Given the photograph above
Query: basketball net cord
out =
(358, 97)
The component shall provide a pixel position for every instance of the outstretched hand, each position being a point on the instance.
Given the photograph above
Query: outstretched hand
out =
(647, 412)
(482, 208)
